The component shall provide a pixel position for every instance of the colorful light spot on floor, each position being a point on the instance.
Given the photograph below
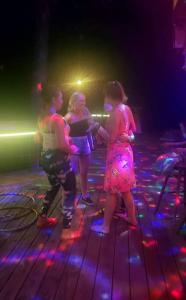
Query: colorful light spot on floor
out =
(105, 296)
(183, 250)
(141, 216)
(150, 243)
(177, 294)
(135, 259)
(49, 263)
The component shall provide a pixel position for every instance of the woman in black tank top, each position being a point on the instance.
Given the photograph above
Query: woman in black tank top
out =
(79, 119)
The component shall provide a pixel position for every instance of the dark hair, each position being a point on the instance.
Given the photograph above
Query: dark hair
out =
(115, 91)
(48, 93)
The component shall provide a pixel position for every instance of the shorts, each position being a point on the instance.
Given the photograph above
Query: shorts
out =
(83, 145)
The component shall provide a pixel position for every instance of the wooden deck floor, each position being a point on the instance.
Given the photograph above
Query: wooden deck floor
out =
(143, 264)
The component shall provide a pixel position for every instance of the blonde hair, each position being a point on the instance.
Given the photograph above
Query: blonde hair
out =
(72, 101)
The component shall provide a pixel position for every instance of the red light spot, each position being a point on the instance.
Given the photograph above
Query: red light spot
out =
(183, 273)
(39, 86)
(149, 244)
(176, 294)
(132, 227)
(41, 196)
(152, 205)
(49, 263)
(103, 200)
(62, 248)
(156, 293)
(177, 200)
(183, 250)
(30, 258)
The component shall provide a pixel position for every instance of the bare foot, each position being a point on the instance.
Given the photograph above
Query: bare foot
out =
(129, 221)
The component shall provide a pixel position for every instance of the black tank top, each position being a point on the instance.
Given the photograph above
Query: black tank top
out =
(79, 128)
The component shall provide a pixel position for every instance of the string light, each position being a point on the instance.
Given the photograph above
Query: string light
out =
(32, 133)
(100, 116)
(2, 135)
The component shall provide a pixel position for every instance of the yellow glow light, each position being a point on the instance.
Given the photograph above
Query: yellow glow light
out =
(79, 82)
(17, 134)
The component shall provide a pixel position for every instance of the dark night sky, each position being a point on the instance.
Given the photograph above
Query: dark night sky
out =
(127, 40)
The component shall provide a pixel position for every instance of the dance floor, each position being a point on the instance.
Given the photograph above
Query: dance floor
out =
(137, 264)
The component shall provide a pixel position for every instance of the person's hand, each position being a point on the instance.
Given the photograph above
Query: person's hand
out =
(74, 149)
(93, 126)
(124, 138)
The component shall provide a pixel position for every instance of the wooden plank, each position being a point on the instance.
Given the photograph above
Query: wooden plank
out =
(138, 276)
(25, 254)
(86, 279)
(121, 271)
(139, 266)
(4, 236)
(154, 269)
(15, 201)
(3, 204)
(155, 275)
(103, 281)
(58, 253)
(86, 276)
(177, 246)
(69, 278)
(17, 255)
(13, 237)
(174, 287)
(31, 274)
(54, 278)
(172, 278)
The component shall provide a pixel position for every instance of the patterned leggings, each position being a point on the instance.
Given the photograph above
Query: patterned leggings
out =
(58, 168)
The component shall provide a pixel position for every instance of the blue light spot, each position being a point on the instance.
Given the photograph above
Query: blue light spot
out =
(36, 298)
(157, 224)
(134, 259)
(98, 222)
(105, 296)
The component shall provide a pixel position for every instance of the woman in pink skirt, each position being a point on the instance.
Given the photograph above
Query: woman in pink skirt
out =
(119, 174)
